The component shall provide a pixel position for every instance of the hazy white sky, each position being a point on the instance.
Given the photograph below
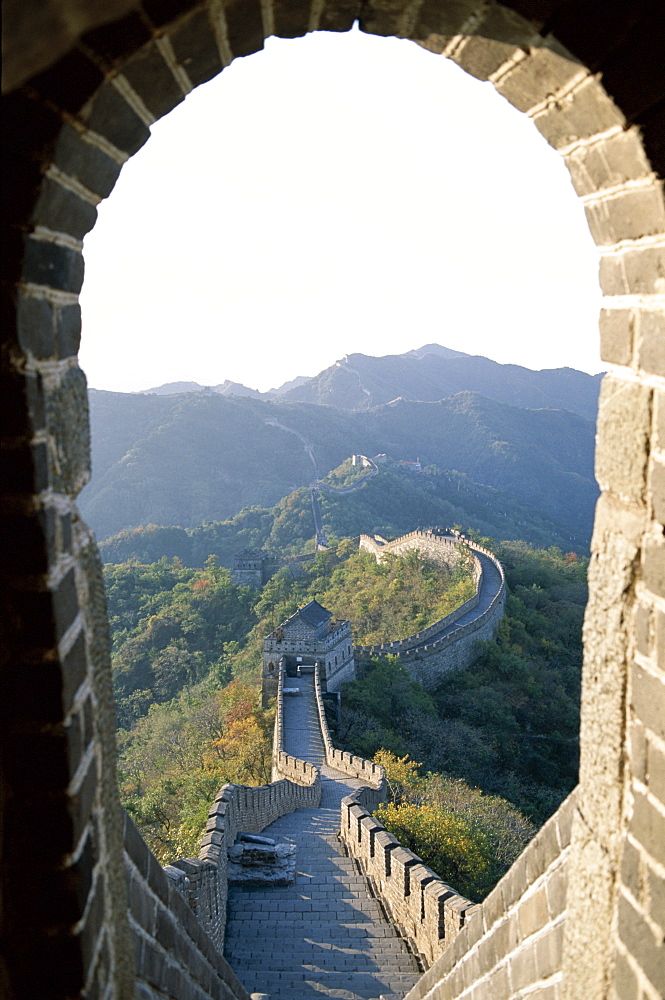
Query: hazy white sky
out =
(331, 195)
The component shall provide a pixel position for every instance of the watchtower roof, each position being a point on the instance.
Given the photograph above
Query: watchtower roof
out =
(313, 614)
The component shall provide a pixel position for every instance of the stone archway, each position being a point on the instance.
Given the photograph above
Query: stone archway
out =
(83, 89)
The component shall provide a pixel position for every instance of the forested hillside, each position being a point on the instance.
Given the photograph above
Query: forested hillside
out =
(187, 647)
(389, 503)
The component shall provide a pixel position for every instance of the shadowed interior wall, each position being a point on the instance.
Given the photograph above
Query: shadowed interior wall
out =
(84, 83)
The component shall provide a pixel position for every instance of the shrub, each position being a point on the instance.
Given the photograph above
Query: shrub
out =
(445, 841)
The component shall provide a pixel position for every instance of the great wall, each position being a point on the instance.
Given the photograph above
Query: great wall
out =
(451, 642)
(580, 916)
(324, 934)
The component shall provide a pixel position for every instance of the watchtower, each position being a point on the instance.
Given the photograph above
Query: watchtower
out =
(249, 568)
(308, 638)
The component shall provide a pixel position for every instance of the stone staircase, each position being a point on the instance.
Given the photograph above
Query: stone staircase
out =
(325, 935)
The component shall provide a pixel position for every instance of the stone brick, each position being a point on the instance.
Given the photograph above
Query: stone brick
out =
(642, 628)
(135, 847)
(501, 33)
(656, 891)
(608, 163)
(640, 942)
(623, 434)
(532, 913)
(512, 886)
(195, 47)
(587, 113)
(292, 19)
(617, 331)
(150, 77)
(647, 825)
(626, 985)
(542, 73)
(87, 164)
(141, 904)
(165, 932)
(630, 870)
(67, 330)
(542, 851)
(635, 213)
(244, 24)
(81, 802)
(548, 952)
(644, 270)
(638, 750)
(652, 343)
(51, 265)
(436, 19)
(523, 972)
(653, 559)
(62, 211)
(646, 698)
(657, 487)
(556, 887)
(656, 771)
(338, 16)
(498, 985)
(65, 603)
(110, 116)
(501, 942)
(35, 327)
(69, 427)
(94, 929)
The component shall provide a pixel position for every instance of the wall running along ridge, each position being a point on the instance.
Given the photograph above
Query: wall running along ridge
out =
(83, 83)
(427, 660)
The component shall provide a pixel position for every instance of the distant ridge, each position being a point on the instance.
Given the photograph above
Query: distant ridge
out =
(428, 373)
(433, 372)
(226, 388)
(183, 459)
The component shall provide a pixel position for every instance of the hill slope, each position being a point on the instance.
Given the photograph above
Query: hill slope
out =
(359, 382)
(185, 459)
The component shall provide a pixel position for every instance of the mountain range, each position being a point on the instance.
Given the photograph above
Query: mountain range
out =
(430, 373)
(185, 457)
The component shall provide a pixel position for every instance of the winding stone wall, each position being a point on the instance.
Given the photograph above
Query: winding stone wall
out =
(430, 660)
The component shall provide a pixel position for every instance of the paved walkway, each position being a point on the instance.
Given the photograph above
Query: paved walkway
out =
(324, 936)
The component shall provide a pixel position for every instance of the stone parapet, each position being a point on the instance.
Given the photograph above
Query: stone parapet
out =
(427, 912)
(374, 775)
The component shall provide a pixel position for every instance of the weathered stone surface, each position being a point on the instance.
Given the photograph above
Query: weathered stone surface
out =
(624, 418)
(260, 864)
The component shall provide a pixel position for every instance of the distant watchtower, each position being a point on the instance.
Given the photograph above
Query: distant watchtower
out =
(308, 637)
(249, 568)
